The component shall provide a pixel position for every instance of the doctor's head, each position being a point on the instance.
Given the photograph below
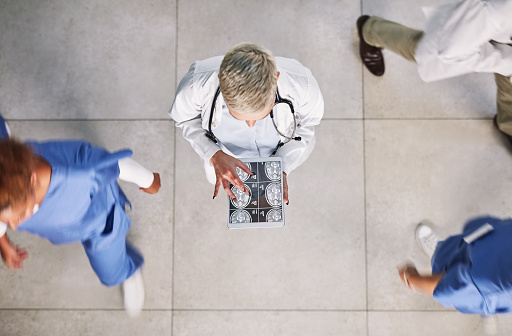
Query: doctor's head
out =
(248, 80)
(17, 181)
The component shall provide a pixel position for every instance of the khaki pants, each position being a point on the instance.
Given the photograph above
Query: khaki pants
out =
(403, 41)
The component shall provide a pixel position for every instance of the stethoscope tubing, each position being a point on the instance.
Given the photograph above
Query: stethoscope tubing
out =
(278, 100)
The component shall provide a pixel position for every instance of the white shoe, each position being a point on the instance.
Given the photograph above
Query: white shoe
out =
(426, 238)
(490, 324)
(133, 292)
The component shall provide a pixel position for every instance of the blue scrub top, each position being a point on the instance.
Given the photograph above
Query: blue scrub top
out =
(478, 276)
(83, 191)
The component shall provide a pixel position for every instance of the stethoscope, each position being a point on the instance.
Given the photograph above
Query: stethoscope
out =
(278, 100)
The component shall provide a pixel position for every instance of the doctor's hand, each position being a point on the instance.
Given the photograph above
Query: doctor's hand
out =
(225, 173)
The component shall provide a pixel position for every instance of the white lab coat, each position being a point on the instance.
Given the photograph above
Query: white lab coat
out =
(466, 36)
(192, 105)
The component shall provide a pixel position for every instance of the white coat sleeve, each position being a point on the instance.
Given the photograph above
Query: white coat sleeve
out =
(132, 171)
(311, 110)
(186, 111)
(3, 228)
(464, 32)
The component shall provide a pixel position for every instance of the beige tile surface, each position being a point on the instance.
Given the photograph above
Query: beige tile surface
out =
(316, 33)
(60, 276)
(83, 323)
(315, 262)
(423, 324)
(255, 323)
(431, 323)
(87, 60)
(443, 171)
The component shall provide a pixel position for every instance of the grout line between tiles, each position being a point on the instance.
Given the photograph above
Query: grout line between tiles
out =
(174, 173)
(320, 310)
(115, 119)
(406, 119)
(363, 110)
(235, 310)
(365, 222)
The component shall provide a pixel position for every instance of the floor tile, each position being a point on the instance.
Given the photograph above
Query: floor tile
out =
(60, 276)
(249, 323)
(83, 323)
(317, 34)
(423, 324)
(400, 93)
(442, 171)
(315, 262)
(93, 60)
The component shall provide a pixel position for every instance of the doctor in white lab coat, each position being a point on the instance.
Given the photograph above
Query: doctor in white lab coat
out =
(459, 38)
(247, 78)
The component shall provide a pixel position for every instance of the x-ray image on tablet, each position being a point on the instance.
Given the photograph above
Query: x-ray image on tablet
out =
(263, 207)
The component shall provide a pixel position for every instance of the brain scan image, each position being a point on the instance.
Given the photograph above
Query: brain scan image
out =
(273, 170)
(240, 216)
(262, 207)
(273, 194)
(242, 174)
(274, 216)
(242, 199)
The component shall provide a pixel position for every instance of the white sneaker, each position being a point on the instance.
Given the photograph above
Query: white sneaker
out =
(133, 292)
(490, 324)
(426, 238)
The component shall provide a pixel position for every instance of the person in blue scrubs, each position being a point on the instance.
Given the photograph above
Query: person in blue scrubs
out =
(472, 271)
(65, 192)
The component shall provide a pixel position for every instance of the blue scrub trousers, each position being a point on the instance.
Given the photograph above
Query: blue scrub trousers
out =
(112, 258)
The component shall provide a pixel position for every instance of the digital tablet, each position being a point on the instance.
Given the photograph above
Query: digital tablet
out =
(263, 208)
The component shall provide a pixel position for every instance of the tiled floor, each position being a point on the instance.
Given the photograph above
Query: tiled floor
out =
(391, 152)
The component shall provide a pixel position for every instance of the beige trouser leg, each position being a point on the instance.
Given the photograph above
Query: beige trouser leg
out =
(504, 103)
(382, 33)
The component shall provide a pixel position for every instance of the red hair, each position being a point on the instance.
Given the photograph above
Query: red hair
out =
(17, 163)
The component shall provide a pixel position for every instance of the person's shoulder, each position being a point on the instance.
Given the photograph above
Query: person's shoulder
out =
(291, 66)
(295, 75)
(201, 75)
(65, 150)
(57, 152)
(56, 145)
(211, 64)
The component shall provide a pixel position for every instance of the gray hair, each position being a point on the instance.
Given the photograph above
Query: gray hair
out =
(248, 78)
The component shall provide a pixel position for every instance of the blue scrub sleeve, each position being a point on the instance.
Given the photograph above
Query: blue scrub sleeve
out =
(4, 133)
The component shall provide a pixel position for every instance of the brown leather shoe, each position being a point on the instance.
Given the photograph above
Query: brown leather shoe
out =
(370, 55)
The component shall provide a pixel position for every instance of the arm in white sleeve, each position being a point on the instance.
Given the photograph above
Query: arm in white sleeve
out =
(132, 171)
(462, 29)
(3, 228)
(186, 111)
(311, 110)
